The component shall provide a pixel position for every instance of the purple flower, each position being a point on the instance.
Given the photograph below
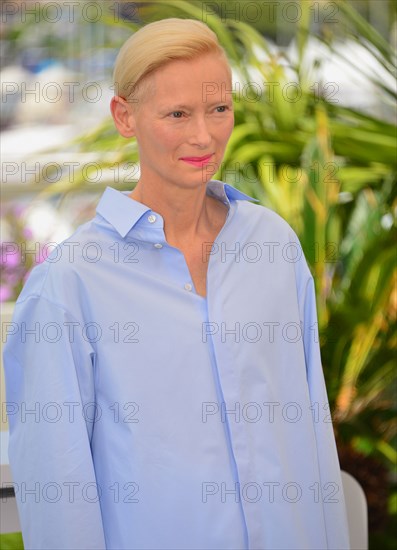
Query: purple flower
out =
(5, 293)
(18, 210)
(10, 255)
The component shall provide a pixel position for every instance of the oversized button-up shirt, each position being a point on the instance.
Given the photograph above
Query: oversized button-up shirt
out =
(145, 416)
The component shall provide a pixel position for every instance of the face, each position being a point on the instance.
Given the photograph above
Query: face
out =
(184, 123)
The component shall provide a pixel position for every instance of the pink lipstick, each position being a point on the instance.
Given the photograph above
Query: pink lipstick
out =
(197, 161)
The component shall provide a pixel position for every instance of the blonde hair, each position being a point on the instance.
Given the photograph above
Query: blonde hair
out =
(156, 44)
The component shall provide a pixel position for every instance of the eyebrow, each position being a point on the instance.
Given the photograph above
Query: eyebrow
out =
(175, 107)
(180, 106)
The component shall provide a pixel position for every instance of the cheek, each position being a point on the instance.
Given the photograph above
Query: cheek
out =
(226, 130)
(165, 138)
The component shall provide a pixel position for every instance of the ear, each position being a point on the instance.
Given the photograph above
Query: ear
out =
(123, 116)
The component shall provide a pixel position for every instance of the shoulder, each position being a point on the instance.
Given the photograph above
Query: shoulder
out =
(61, 273)
(264, 223)
(262, 214)
(262, 226)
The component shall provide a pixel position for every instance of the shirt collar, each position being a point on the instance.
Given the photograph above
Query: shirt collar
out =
(123, 213)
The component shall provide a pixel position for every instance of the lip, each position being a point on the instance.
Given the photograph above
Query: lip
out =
(198, 161)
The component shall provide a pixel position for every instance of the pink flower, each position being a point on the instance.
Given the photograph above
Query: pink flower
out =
(10, 255)
(27, 233)
(5, 293)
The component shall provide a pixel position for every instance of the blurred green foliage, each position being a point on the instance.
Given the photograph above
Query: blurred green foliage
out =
(11, 541)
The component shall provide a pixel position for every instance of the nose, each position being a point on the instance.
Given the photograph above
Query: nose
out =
(199, 133)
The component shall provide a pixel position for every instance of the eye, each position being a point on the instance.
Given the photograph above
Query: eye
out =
(176, 114)
(221, 108)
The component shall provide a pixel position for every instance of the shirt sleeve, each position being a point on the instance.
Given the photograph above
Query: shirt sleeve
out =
(50, 373)
(331, 491)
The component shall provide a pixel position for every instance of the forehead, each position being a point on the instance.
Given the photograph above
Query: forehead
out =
(191, 77)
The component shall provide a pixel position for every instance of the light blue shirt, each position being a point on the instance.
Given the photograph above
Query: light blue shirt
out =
(144, 416)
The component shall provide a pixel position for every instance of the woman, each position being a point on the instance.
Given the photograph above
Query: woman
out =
(174, 367)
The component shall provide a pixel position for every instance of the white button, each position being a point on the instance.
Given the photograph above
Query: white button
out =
(158, 245)
(188, 286)
(151, 218)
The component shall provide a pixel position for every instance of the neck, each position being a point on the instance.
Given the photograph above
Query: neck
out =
(188, 213)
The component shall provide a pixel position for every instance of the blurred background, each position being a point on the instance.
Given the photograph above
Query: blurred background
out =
(315, 140)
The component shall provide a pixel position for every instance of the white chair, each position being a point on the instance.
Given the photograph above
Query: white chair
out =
(357, 513)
